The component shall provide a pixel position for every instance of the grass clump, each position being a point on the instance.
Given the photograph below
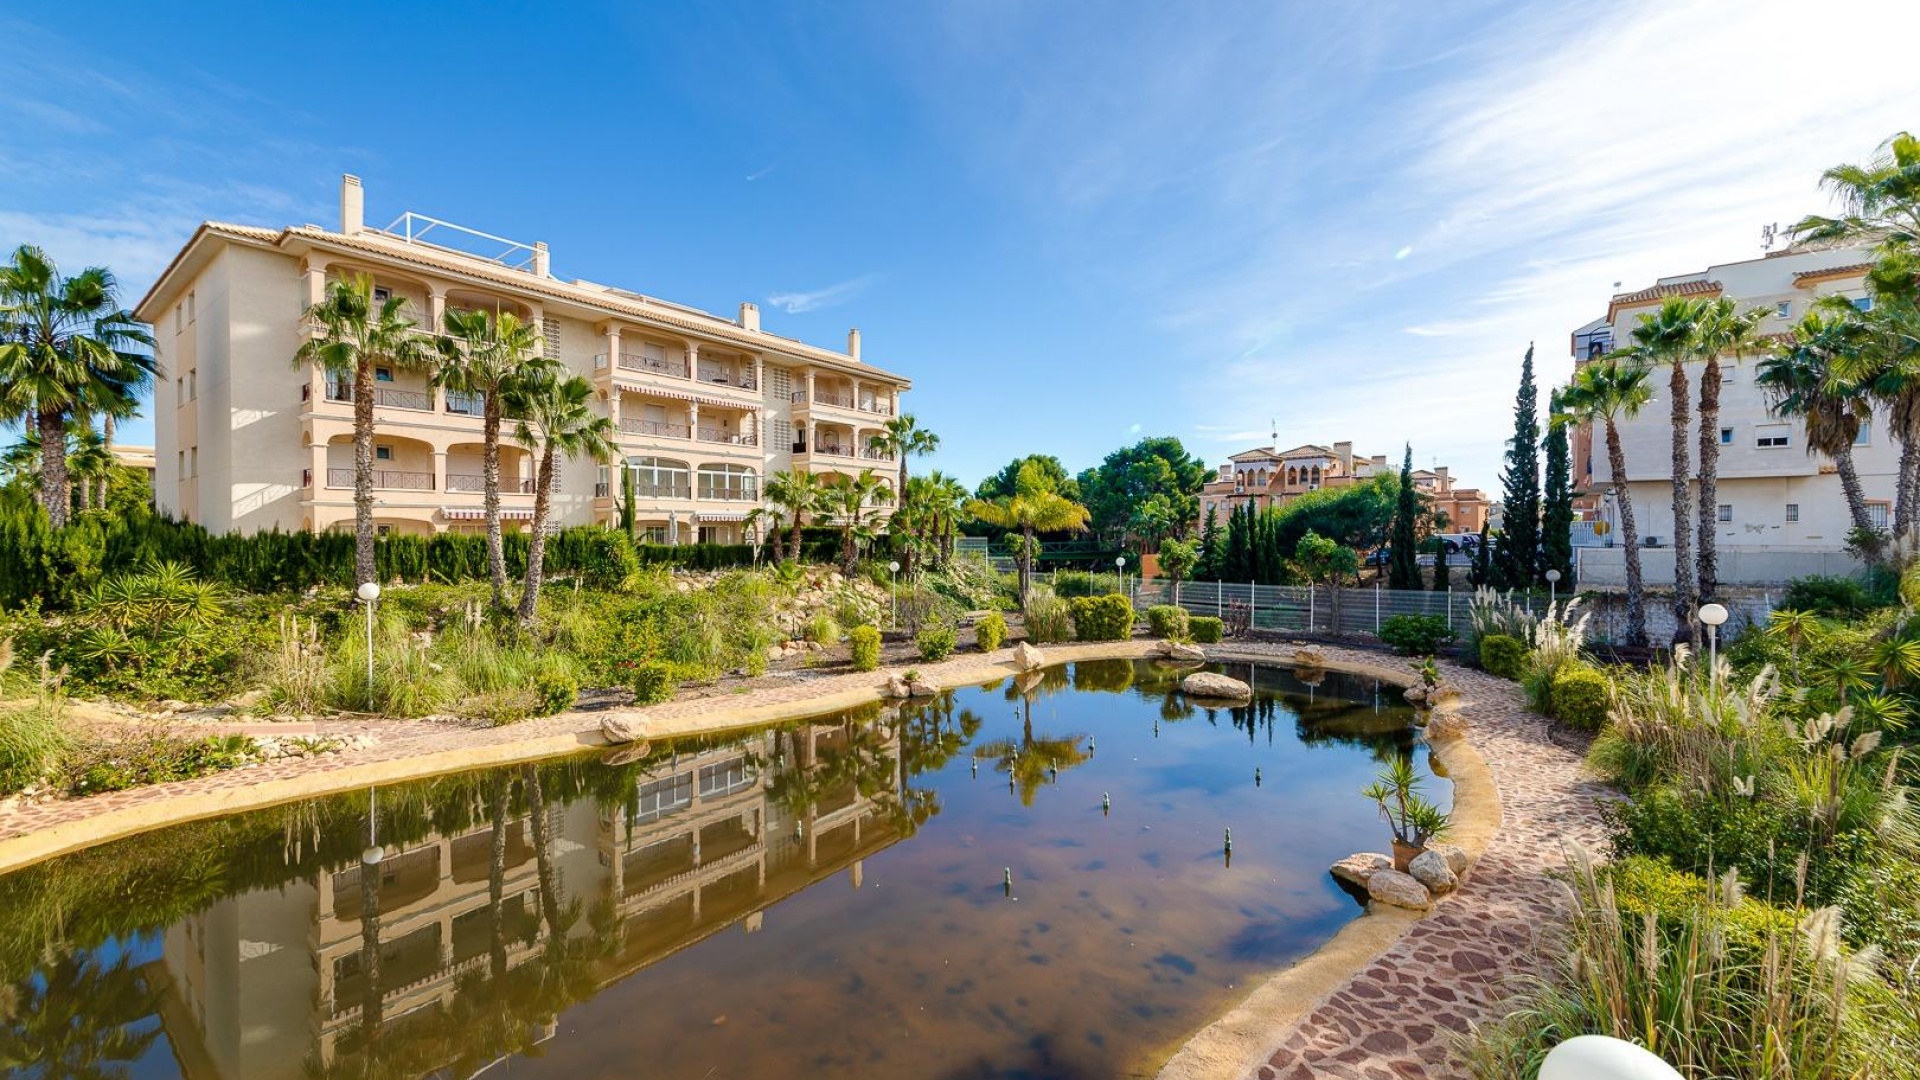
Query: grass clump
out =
(1048, 617)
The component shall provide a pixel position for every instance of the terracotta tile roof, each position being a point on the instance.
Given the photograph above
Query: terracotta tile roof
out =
(1808, 277)
(1661, 292)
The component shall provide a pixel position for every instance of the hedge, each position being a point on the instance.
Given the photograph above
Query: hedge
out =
(1207, 630)
(864, 643)
(1168, 621)
(1102, 618)
(1581, 695)
(1503, 656)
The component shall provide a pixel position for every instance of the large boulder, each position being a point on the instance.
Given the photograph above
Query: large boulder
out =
(1415, 694)
(624, 726)
(1442, 726)
(1358, 869)
(1455, 855)
(1398, 889)
(1309, 656)
(898, 687)
(1430, 868)
(921, 688)
(1207, 684)
(1026, 657)
(1184, 653)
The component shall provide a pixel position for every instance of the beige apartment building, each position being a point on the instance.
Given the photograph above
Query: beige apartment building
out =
(705, 407)
(1776, 502)
(1266, 477)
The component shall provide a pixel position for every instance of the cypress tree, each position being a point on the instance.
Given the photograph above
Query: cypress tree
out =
(1441, 582)
(1516, 564)
(1237, 563)
(1481, 572)
(1403, 561)
(1212, 548)
(1556, 515)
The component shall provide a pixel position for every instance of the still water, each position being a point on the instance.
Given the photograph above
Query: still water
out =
(1023, 879)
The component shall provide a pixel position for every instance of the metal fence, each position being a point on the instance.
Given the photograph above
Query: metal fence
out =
(1304, 609)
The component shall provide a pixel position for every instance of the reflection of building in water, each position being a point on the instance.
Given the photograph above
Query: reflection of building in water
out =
(711, 838)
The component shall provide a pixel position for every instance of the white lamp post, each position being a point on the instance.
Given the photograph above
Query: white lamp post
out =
(369, 594)
(893, 592)
(1553, 586)
(1712, 616)
(371, 857)
(1119, 572)
(1599, 1057)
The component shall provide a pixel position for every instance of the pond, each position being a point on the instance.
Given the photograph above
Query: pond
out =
(1022, 879)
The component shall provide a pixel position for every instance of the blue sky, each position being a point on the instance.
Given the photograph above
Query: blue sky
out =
(1072, 224)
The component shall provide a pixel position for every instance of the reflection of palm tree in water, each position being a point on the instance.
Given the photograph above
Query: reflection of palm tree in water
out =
(929, 735)
(1033, 760)
(73, 1020)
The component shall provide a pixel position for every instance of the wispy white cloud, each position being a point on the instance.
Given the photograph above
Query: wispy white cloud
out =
(799, 303)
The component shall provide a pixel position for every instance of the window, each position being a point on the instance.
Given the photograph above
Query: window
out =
(383, 453)
(180, 469)
(1726, 436)
(1783, 309)
(1793, 512)
(659, 798)
(381, 295)
(725, 778)
(179, 317)
(193, 384)
(654, 534)
(1726, 512)
(193, 461)
(191, 314)
(383, 374)
(1773, 437)
(383, 530)
(1877, 515)
(1864, 303)
(731, 482)
(1864, 437)
(659, 478)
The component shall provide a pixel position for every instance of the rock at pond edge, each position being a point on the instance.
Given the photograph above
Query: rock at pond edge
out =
(623, 726)
(1207, 684)
(1359, 868)
(1398, 889)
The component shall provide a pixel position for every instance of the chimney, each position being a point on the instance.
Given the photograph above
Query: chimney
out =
(1379, 461)
(353, 205)
(1440, 473)
(749, 316)
(1343, 453)
(542, 262)
(853, 343)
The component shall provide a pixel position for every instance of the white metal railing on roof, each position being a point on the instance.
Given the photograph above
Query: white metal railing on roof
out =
(414, 228)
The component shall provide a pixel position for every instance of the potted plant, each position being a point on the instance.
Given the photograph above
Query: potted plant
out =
(1413, 819)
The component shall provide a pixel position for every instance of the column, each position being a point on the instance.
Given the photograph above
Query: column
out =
(693, 419)
(436, 309)
(693, 360)
(809, 386)
(760, 374)
(317, 465)
(613, 346)
(760, 430)
(613, 406)
(440, 470)
(856, 393)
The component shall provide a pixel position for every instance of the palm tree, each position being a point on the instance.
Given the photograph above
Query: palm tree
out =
(1719, 329)
(903, 437)
(1034, 507)
(556, 420)
(795, 493)
(480, 354)
(767, 522)
(1666, 337)
(78, 1016)
(67, 349)
(1604, 391)
(352, 336)
(850, 500)
(1880, 200)
(90, 461)
(1803, 377)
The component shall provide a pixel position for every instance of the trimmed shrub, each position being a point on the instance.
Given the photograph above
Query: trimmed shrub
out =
(1102, 618)
(557, 690)
(1415, 635)
(652, 683)
(990, 631)
(1207, 630)
(1580, 695)
(935, 642)
(1168, 621)
(1048, 617)
(1643, 886)
(1503, 656)
(864, 641)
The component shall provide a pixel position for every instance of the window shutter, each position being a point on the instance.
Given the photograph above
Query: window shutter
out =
(550, 338)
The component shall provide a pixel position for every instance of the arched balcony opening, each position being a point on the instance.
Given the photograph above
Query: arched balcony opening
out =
(466, 469)
(399, 464)
(728, 483)
(660, 478)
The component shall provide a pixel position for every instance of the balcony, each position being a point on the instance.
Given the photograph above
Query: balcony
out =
(721, 375)
(660, 429)
(663, 491)
(731, 438)
(473, 482)
(844, 450)
(650, 365)
(384, 480)
(718, 493)
(390, 397)
(460, 404)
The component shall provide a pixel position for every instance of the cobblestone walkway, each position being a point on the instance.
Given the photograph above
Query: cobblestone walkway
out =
(1398, 1018)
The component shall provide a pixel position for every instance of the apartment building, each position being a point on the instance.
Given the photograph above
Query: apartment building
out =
(1265, 477)
(705, 406)
(1772, 494)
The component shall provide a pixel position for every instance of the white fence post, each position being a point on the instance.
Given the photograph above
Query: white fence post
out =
(1310, 612)
(1376, 609)
(1219, 598)
(1449, 607)
(1253, 606)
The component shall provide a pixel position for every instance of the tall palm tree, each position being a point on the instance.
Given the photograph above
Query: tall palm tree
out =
(352, 336)
(1887, 364)
(1803, 378)
(851, 500)
(795, 493)
(767, 522)
(90, 461)
(1034, 507)
(67, 349)
(945, 498)
(1880, 200)
(1720, 329)
(1666, 337)
(1604, 391)
(479, 355)
(903, 437)
(557, 420)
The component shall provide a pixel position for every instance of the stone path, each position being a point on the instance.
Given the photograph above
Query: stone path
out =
(1399, 1018)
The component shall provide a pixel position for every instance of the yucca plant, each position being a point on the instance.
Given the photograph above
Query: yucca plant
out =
(1414, 819)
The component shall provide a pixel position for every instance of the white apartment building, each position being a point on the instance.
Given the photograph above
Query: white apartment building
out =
(1772, 495)
(705, 406)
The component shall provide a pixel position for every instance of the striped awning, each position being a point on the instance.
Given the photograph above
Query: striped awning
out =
(706, 517)
(475, 513)
(651, 390)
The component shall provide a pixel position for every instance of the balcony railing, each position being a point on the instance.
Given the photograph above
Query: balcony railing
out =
(725, 494)
(663, 491)
(466, 404)
(509, 485)
(386, 396)
(715, 373)
(824, 397)
(660, 428)
(384, 479)
(656, 365)
(868, 453)
(602, 490)
(734, 438)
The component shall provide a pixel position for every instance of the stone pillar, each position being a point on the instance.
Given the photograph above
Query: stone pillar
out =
(613, 406)
(436, 309)
(613, 346)
(440, 471)
(809, 386)
(856, 393)
(760, 374)
(693, 420)
(693, 360)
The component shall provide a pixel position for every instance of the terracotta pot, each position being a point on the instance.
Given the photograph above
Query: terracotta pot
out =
(1404, 854)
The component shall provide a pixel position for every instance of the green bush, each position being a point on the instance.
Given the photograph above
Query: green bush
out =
(151, 756)
(32, 739)
(1168, 621)
(1503, 656)
(935, 642)
(1643, 886)
(1073, 584)
(990, 631)
(1580, 696)
(652, 683)
(557, 690)
(502, 707)
(1834, 597)
(1415, 635)
(1207, 630)
(864, 642)
(824, 629)
(1102, 618)
(1048, 617)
